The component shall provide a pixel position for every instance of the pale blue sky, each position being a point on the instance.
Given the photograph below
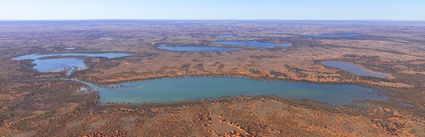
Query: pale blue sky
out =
(213, 9)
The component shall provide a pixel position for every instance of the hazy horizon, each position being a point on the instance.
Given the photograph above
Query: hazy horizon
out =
(380, 10)
(320, 20)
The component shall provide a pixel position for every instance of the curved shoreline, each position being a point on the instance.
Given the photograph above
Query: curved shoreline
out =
(362, 83)
(141, 91)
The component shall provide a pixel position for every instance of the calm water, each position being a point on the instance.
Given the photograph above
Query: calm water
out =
(194, 48)
(192, 88)
(58, 64)
(68, 62)
(104, 55)
(228, 36)
(69, 48)
(355, 69)
(341, 35)
(257, 44)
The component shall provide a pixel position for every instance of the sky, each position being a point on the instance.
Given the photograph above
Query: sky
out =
(213, 9)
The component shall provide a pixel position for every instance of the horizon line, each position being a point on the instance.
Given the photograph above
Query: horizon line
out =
(389, 20)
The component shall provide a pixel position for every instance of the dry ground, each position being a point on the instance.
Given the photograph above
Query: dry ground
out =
(36, 104)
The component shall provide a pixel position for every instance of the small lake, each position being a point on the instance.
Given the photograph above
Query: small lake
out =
(68, 62)
(194, 48)
(256, 44)
(228, 36)
(340, 35)
(70, 48)
(58, 64)
(355, 69)
(169, 90)
(108, 55)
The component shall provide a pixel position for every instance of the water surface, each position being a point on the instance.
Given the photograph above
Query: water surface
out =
(68, 62)
(193, 88)
(228, 36)
(58, 64)
(108, 55)
(194, 48)
(257, 44)
(355, 69)
(340, 35)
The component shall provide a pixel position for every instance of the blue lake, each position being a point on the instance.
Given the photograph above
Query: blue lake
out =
(340, 35)
(70, 48)
(108, 55)
(355, 69)
(228, 36)
(68, 62)
(58, 64)
(257, 44)
(194, 48)
(169, 90)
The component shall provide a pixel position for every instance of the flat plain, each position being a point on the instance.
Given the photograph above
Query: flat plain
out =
(34, 103)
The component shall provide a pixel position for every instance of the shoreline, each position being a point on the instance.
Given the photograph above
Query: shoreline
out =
(98, 88)
(360, 83)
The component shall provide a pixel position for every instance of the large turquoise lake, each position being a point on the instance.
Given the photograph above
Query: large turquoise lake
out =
(169, 90)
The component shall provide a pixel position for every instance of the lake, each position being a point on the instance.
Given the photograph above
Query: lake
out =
(68, 62)
(228, 36)
(340, 35)
(194, 48)
(355, 69)
(169, 90)
(256, 44)
(108, 55)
